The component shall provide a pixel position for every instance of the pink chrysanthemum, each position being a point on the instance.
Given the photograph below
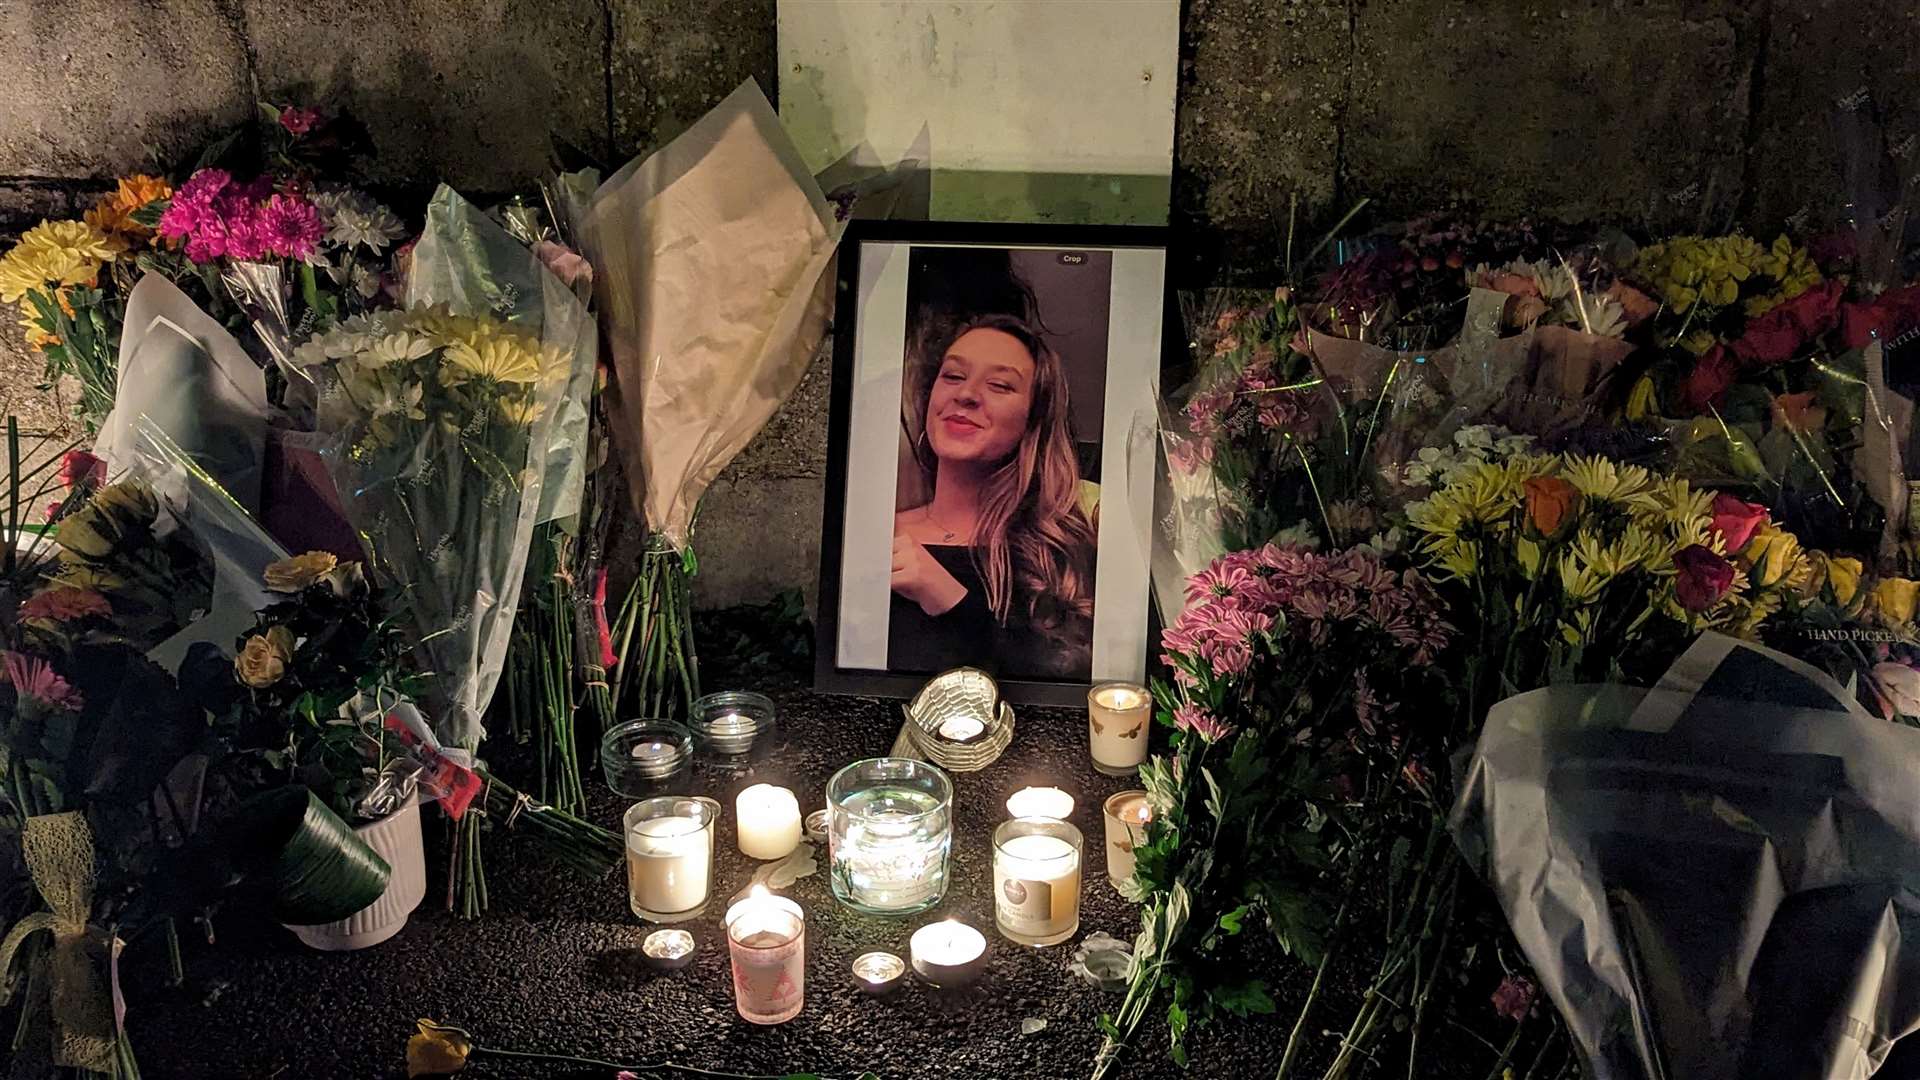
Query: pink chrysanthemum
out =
(64, 604)
(291, 227)
(1198, 721)
(34, 678)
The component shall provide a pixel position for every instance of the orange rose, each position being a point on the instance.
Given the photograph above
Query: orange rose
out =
(1798, 411)
(1550, 503)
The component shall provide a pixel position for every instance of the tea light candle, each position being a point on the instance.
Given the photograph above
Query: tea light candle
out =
(1036, 880)
(668, 950)
(1117, 716)
(961, 728)
(816, 826)
(767, 940)
(731, 733)
(1126, 814)
(948, 953)
(1046, 802)
(669, 865)
(769, 821)
(878, 972)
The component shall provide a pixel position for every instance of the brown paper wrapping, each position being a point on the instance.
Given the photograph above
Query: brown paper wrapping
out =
(711, 263)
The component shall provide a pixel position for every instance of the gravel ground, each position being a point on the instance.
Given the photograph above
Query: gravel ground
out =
(554, 966)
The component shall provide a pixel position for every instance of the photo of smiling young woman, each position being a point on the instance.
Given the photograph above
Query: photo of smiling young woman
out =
(996, 523)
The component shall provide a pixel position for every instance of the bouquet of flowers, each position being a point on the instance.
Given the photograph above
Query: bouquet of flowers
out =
(1291, 670)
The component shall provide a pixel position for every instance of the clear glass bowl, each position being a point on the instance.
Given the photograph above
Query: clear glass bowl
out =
(734, 726)
(642, 758)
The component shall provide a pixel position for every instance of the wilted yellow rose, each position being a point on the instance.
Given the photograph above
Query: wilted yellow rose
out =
(299, 572)
(437, 1050)
(1894, 598)
(129, 501)
(87, 532)
(1844, 575)
(1771, 555)
(263, 660)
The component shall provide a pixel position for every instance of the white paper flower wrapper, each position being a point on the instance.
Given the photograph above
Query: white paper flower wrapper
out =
(1713, 879)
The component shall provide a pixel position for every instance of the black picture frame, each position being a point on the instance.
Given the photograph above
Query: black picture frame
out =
(829, 675)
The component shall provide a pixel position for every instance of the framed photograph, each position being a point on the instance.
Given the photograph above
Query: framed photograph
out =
(990, 458)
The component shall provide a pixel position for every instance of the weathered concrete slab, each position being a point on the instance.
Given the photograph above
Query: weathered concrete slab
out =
(99, 87)
(672, 60)
(1628, 111)
(757, 538)
(467, 91)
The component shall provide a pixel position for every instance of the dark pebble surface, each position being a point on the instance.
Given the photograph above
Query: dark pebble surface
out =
(554, 966)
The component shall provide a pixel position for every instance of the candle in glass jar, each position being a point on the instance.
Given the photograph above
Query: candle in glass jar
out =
(767, 940)
(1047, 802)
(1036, 880)
(669, 861)
(769, 821)
(947, 953)
(1127, 814)
(1117, 716)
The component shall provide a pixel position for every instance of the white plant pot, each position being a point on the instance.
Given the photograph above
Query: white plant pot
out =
(397, 839)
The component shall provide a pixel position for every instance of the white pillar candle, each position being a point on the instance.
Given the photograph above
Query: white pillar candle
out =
(1117, 723)
(769, 821)
(1036, 881)
(669, 866)
(1046, 802)
(1127, 814)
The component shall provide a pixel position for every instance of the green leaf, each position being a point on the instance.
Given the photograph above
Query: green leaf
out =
(1230, 922)
(1247, 999)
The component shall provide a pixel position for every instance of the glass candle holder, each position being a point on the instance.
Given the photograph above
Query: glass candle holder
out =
(1118, 716)
(733, 727)
(1126, 814)
(643, 758)
(889, 835)
(670, 857)
(1036, 880)
(767, 938)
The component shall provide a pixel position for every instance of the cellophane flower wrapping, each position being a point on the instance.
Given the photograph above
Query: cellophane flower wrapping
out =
(1712, 878)
(440, 417)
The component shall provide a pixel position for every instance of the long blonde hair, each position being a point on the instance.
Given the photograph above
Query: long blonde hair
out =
(1039, 543)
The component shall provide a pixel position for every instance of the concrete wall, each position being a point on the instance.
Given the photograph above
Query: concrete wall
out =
(1652, 113)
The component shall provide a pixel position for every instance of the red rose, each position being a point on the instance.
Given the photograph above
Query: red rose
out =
(1707, 383)
(1891, 313)
(1737, 521)
(81, 467)
(1775, 337)
(1702, 578)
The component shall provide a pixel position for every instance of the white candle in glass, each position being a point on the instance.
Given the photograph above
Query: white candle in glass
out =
(1036, 885)
(769, 821)
(1047, 802)
(1127, 814)
(669, 864)
(1117, 722)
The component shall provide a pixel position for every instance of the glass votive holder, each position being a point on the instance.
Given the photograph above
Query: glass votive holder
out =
(1126, 815)
(889, 834)
(1036, 880)
(1118, 718)
(733, 727)
(767, 938)
(670, 857)
(643, 758)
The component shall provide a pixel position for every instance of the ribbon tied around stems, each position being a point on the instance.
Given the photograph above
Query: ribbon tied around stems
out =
(86, 1010)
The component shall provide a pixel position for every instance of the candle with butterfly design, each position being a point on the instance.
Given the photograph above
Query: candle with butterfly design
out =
(1117, 721)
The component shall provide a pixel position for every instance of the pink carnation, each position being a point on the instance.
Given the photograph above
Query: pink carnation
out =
(1513, 998)
(290, 227)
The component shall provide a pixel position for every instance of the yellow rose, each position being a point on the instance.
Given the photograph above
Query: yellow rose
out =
(1771, 554)
(1894, 598)
(264, 658)
(299, 572)
(437, 1050)
(1844, 575)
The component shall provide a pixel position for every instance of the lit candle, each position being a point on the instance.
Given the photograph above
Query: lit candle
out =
(653, 751)
(1047, 802)
(769, 821)
(668, 950)
(878, 972)
(669, 865)
(961, 728)
(767, 940)
(1036, 880)
(1127, 814)
(947, 953)
(1117, 715)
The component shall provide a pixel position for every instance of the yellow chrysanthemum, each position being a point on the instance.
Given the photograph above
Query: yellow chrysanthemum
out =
(494, 359)
(58, 253)
(1603, 480)
(521, 409)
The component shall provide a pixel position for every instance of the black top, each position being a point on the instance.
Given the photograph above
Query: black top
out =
(966, 634)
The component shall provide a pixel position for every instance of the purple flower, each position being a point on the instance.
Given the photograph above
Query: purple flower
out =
(1221, 581)
(1205, 411)
(299, 121)
(1514, 997)
(290, 227)
(1193, 719)
(191, 209)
